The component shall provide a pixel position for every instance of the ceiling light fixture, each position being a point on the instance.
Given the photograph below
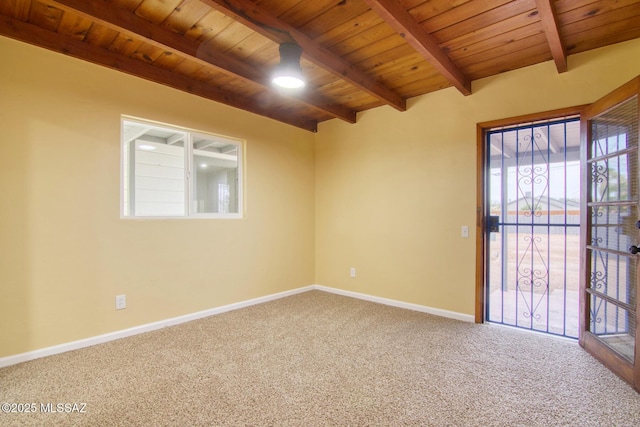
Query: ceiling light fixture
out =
(288, 74)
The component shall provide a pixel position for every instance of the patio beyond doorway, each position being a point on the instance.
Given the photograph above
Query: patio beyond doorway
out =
(532, 261)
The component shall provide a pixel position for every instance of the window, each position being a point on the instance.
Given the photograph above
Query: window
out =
(172, 172)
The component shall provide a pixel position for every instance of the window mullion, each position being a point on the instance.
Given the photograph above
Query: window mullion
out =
(131, 174)
(188, 146)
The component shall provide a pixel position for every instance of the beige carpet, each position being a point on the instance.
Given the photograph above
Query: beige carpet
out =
(318, 359)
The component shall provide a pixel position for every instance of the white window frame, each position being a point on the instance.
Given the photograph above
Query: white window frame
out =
(190, 211)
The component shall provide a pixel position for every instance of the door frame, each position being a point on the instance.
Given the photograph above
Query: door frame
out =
(481, 190)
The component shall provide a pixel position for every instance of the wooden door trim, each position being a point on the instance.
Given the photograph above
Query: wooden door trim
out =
(481, 168)
(481, 162)
(612, 99)
(585, 233)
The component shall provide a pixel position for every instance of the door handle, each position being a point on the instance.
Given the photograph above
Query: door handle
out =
(493, 223)
(633, 249)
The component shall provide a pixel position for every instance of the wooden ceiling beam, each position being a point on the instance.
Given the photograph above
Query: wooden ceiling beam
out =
(404, 24)
(134, 26)
(549, 20)
(32, 34)
(264, 22)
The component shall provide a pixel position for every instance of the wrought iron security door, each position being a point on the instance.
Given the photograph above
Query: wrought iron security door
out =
(610, 306)
(533, 252)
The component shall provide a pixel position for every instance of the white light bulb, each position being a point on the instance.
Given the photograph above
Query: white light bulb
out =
(288, 82)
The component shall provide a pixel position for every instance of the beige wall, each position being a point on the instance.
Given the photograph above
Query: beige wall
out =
(393, 190)
(387, 195)
(64, 251)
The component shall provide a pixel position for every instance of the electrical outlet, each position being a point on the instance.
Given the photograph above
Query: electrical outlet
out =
(121, 302)
(464, 231)
(353, 272)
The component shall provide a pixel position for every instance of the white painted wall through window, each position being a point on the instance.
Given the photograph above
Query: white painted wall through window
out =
(173, 172)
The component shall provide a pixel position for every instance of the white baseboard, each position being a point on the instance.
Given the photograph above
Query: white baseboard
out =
(400, 304)
(74, 345)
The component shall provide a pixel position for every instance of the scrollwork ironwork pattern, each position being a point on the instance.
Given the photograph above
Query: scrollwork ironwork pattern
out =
(599, 268)
(605, 318)
(600, 180)
(598, 280)
(532, 273)
(597, 212)
(531, 177)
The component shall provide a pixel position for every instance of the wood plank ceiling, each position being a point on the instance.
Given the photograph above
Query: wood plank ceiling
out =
(357, 54)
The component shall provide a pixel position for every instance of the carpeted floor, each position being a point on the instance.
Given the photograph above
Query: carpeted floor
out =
(319, 359)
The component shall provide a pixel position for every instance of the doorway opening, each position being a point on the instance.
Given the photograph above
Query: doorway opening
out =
(532, 204)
